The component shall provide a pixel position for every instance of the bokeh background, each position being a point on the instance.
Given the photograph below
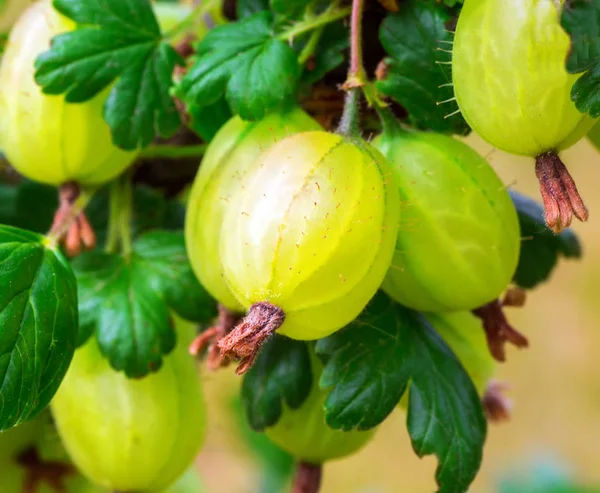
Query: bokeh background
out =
(555, 384)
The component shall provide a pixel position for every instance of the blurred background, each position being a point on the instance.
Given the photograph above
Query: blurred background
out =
(554, 432)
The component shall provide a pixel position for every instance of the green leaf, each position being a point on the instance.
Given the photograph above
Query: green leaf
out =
(540, 247)
(246, 8)
(368, 366)
(581, 20)
(127, 302)
(116, 40)
(255, 71)
(31, 206)
(289, 9)
(276, 464)
(38, 316)
(329, 53)
(281, 373)
(162, 257)
(131, 321)
(207, 120)
(419, 48)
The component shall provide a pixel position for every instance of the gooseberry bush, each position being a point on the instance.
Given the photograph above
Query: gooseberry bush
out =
(283, 185)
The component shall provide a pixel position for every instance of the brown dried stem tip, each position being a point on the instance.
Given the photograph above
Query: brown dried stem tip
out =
(210, 337)
(515, 296)
(559, 192)
(496, 405)
(307, 478)
(38, 471)
(498, 331)
(244, 342)
(76, 233)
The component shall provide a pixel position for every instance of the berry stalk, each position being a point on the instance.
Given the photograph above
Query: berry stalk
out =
(307, 478)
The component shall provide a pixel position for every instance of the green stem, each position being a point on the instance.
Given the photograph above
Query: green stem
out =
(327, 17)
(173, 152)
(113, 220)
(125, 214)
(356, 75)
(311, 46)
(56, 233)
(349, 126)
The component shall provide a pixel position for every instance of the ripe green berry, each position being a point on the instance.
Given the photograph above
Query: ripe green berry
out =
(307, 238)
(132, 435)
(458, 239)
(512, 87)
(43, 137)
(228, 158)
(464, 334)
(305, 435)
(10, 10)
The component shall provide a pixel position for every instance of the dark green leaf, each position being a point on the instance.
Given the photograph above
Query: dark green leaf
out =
(289, 9)
(127, 302)
(246, 8)
(453, 3)
(207, 120)
(31, 206)
(540, 247)
(132, 322)
(329, 53)
(368, 366)
(255, 71)
(38, 316)
(366, 375)
(581, 20)
(117, 40)
(276, 464)
(8, 199)
(419, 48)
(281, 373)
(162, 257)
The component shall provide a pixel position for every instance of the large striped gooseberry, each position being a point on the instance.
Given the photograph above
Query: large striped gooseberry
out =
(458, 239)
(228, 157)
(512, 87)
(132, 435)
(307, 238)
(45, 138)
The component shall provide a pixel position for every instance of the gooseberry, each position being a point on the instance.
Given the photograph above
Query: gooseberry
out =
(306, 239)
(458, 238)
(132, 435)
(512, 87)
(228, 157)
(45, 138)
(10, 10)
